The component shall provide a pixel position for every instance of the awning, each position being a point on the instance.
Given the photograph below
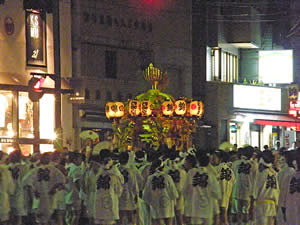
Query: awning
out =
(271, 119)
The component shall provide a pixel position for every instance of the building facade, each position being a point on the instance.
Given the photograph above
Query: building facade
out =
(30, 46)
(114, 41)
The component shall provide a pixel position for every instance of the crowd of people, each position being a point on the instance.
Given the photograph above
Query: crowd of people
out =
(151, 187)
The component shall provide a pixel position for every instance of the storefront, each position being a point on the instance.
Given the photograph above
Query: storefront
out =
(260, 117)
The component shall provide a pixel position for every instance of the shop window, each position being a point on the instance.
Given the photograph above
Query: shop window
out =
(47, 117)
(6, 111)
(26, 149)
(7, 148)
(98, 94)
(224, 66)
(111, 64)
(25, 116)
(46, 148)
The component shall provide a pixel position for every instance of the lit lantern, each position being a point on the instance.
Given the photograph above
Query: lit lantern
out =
(134, 107)
(146, 108)
(120, 109)
(168, 108)
(196, 108)
(110, 109)
(180, 107)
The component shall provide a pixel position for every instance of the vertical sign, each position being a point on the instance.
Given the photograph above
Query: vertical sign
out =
(35, 38)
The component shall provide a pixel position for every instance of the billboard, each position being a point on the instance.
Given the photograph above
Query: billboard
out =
(256, 97)
(275, 66)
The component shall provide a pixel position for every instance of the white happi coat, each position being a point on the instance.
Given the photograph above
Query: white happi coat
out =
(128, 199)
(179, 177)
(226, 180)
(42, 180)
(245, 172)
(108, 189)
(200, 186)
(160, 194)
(283, 178)
(73, 189)
(266, 192)
(291, 201)
(7, 187)
(18, 170)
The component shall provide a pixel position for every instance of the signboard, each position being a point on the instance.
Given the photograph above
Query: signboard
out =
(276, 66)
(35, 38)
(293, 92)
(256, 97)
(7, 140)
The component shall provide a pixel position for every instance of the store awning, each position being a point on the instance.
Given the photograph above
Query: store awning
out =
(272, 119)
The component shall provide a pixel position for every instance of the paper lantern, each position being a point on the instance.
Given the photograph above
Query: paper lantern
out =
(120, 109)
(196, 108)
(110, 109)
(134, 107)
(168, 108)
(146, 108)
(180, 107)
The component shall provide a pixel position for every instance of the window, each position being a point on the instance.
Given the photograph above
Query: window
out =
(25, 116)
(87, 94)
(47, 116)
(98, 94)
(111, 64)
(224, 66)
(6, 114)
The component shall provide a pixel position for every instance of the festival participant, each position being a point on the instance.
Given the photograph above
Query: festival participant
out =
(226, 180)
(18, 170)
(200, 186)
(291, 200)
(73, 200)
(286, 171)
(7, 187)
(59, 204)
(160, 194)
(44, 180)
(266, 191)
(129, 197)
(178, 175)
(245, 171)
(108, 189)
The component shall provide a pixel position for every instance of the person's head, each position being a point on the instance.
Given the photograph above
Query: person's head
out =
(139, 156)
(123, 158)
(157, 165)
(266, 147)
(267, 157)
(216, 157)
(76, 158)
(296, 159)
(15, 156)
(45, 158)
(56, 156)
(203, 159)
(190, 162)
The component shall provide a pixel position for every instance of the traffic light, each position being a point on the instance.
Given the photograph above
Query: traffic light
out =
(34, 88)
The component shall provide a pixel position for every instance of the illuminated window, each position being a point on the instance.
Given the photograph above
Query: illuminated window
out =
(6, 129)
(25, 116)
(224, 66)
(47, 117)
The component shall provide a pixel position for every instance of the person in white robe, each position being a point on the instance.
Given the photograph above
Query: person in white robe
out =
(44, 180)
(200, 187)
(18, 171)
(291, 201)
(266, 191)
(129, 197)
(7, 187)
(245, 170)
(286, 171)
(178, 175)
(108, 189)
(226, 180)
(72, 198)
(160, 194)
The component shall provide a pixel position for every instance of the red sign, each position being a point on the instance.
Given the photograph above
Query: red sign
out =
(295, 105)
